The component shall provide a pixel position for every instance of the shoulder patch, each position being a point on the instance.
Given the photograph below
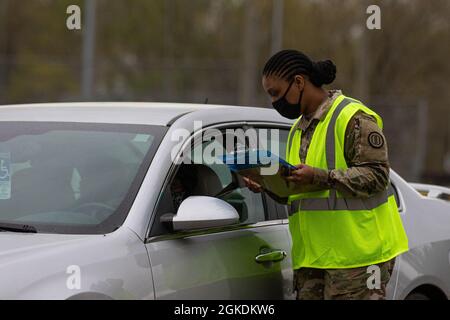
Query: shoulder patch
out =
(376, 140)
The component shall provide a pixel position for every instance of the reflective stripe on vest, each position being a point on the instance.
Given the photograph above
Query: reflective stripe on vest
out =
(324, 204)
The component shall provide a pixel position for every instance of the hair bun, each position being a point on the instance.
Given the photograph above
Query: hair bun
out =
(324, 72)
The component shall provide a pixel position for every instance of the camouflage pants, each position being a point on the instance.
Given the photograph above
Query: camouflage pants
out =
(341, 284)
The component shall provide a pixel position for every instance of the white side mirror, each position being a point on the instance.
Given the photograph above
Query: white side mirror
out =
(199, 212)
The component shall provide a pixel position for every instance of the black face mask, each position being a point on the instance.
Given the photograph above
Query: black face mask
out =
(286, 109)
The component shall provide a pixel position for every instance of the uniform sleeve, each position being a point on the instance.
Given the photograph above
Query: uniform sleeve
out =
(366, 154)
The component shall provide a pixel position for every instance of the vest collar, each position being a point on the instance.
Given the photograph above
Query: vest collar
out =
(321, 111)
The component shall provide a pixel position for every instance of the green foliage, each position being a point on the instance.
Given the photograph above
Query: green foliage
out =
(186, 51)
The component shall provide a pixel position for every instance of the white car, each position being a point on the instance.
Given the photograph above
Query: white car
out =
(92, 206)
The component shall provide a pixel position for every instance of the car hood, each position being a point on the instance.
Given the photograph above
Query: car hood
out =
(37, 265)
(27, 245)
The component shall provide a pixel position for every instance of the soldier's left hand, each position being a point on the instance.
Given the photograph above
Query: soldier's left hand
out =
(304, 174)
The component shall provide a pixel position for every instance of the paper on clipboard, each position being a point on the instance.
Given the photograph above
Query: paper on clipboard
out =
(275, 182)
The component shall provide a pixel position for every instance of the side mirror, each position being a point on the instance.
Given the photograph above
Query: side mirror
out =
(198, 212)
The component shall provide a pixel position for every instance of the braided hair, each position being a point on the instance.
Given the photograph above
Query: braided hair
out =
(288, 63)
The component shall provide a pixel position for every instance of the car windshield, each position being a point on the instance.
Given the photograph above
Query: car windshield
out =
(72, 177)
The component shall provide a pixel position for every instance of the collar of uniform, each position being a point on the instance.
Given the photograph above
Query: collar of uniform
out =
(321, 111)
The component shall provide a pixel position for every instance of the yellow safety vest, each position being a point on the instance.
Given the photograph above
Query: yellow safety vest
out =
(328, 230)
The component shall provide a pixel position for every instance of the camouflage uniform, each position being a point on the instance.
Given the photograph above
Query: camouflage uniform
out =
(367, 174)
(341, 284)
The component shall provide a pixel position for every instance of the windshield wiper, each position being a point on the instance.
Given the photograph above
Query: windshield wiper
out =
(13, 227)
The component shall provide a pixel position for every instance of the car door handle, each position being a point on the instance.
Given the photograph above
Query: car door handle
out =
(271, 256)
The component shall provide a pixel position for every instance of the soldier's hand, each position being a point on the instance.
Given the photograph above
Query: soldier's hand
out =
(304, 174)
(252, 185)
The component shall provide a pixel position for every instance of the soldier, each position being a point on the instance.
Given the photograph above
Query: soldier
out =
(350, 221)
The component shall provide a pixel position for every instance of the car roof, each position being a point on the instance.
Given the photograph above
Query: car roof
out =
(149, 113)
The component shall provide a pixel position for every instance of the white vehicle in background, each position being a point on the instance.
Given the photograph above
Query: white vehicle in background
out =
(90, 208)
(432, 191)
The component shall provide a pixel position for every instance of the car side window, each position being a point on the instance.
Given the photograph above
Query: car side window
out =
(197, 176)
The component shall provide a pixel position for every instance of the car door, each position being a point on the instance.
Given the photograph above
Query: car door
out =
(248, 260)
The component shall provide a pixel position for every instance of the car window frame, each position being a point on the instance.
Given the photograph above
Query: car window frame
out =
(398, 197)
(172, 170)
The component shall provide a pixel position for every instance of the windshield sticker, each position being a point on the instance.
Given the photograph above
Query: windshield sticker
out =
(141, 138)
(5, 176)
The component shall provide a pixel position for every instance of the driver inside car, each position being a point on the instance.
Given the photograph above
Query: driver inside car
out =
(183, 185)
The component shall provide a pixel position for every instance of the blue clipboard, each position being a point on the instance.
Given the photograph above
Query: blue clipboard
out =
(249, 164)
(243, 160)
